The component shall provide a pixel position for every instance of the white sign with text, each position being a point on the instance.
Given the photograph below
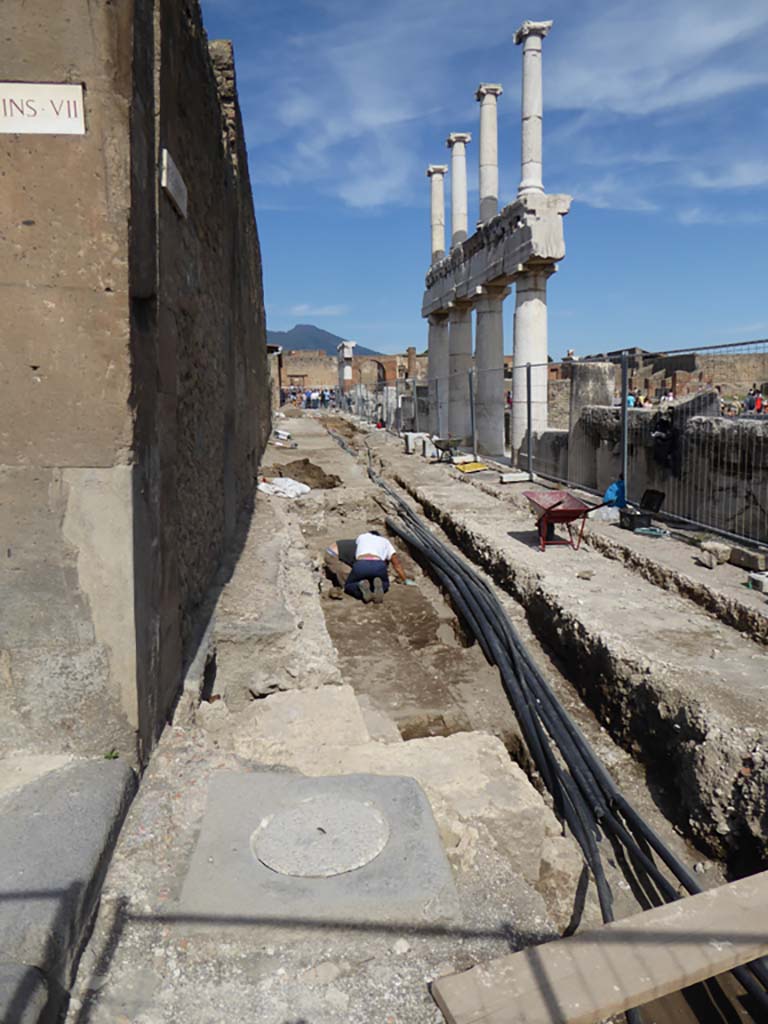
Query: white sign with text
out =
(28, 108)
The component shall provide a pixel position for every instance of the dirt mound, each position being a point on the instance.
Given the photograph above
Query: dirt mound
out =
(343, 427)
(305, 472)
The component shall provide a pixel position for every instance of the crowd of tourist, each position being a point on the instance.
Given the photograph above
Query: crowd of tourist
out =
(309, 398)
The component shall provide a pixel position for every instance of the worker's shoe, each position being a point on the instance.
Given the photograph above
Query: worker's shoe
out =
(365, 590)
(335, 593)
(378, 591)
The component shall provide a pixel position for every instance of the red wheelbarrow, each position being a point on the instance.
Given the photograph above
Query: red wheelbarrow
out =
(552, 507)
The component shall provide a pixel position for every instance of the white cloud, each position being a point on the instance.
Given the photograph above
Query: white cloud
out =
(611, 192)
(305, 309)
(698, 215)
(357, 104)
(738, 174)
(638, 58)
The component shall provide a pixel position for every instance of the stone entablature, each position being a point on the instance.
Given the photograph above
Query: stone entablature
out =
(526, 234)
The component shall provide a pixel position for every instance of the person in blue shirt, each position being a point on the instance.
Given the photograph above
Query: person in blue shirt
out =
(615, 495)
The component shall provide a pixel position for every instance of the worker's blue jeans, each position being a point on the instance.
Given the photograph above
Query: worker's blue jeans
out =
(366, 569)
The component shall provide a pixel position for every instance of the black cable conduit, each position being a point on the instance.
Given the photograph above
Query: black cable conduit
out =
(585, 796)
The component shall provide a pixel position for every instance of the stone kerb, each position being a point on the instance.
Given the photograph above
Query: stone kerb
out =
(527, 232)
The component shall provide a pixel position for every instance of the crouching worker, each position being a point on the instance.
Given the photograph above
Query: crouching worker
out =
(361, 566)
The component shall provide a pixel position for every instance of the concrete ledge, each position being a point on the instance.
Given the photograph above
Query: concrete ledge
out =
(625, 964)
(57, 837)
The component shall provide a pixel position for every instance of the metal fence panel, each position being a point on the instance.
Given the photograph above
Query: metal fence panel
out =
(681, 425)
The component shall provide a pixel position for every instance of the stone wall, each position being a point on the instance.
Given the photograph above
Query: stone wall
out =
(558, 403)
(309, 368)
(133, 366)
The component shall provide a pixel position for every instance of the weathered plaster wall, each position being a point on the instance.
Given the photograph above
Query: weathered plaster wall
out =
(133, 367)
(65, 423)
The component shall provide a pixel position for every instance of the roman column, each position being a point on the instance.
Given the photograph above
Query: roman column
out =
(489, 371)
(459, 364)
(530, 346)
(489, 151)
(438, 374)
(436, 173)
(456, 142)
(410, 356)
(344, 359)
(530, 34)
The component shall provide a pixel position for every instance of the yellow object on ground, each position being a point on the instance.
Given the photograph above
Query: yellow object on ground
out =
(470, 467)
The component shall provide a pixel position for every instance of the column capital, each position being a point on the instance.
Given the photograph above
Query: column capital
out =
(461, 306)
(488, 89)
(495, 291)
(455, 137)
(437, 169)
(532, 28)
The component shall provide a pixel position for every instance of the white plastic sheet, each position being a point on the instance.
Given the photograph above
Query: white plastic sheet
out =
(283, 487)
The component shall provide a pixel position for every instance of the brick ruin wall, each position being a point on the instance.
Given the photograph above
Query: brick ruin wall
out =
(133, 362)
(313, 368)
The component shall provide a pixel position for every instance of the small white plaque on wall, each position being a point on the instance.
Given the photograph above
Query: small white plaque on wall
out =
(173, 184)
(32, 108)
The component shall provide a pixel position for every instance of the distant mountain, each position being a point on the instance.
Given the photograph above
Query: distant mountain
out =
(309, 336)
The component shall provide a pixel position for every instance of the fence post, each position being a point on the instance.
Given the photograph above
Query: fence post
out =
(415, 392)
(472, 415)
(624, 419)
(529, 414)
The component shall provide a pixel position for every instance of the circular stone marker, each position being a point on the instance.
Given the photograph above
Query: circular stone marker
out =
(321, 836)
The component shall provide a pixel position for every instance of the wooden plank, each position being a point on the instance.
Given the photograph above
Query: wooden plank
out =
(588, 977)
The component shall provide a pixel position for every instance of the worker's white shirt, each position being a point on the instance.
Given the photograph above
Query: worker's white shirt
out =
(370, 544)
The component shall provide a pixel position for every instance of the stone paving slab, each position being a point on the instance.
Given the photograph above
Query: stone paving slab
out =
(56, 839)
(23, 994)
(228, 879)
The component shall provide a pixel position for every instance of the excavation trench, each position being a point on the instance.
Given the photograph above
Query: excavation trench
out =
(417, 662)
(412, 657)
(456, 692)
(700, 798)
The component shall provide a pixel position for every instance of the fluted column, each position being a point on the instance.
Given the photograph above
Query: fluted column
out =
(530, 346)
(437, 360)
(456, 142)
(489, 371)
(530, 34)
(489, 151)
(436, 173)
(459, 364)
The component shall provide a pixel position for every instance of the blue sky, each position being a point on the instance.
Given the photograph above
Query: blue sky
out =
(656, 122)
